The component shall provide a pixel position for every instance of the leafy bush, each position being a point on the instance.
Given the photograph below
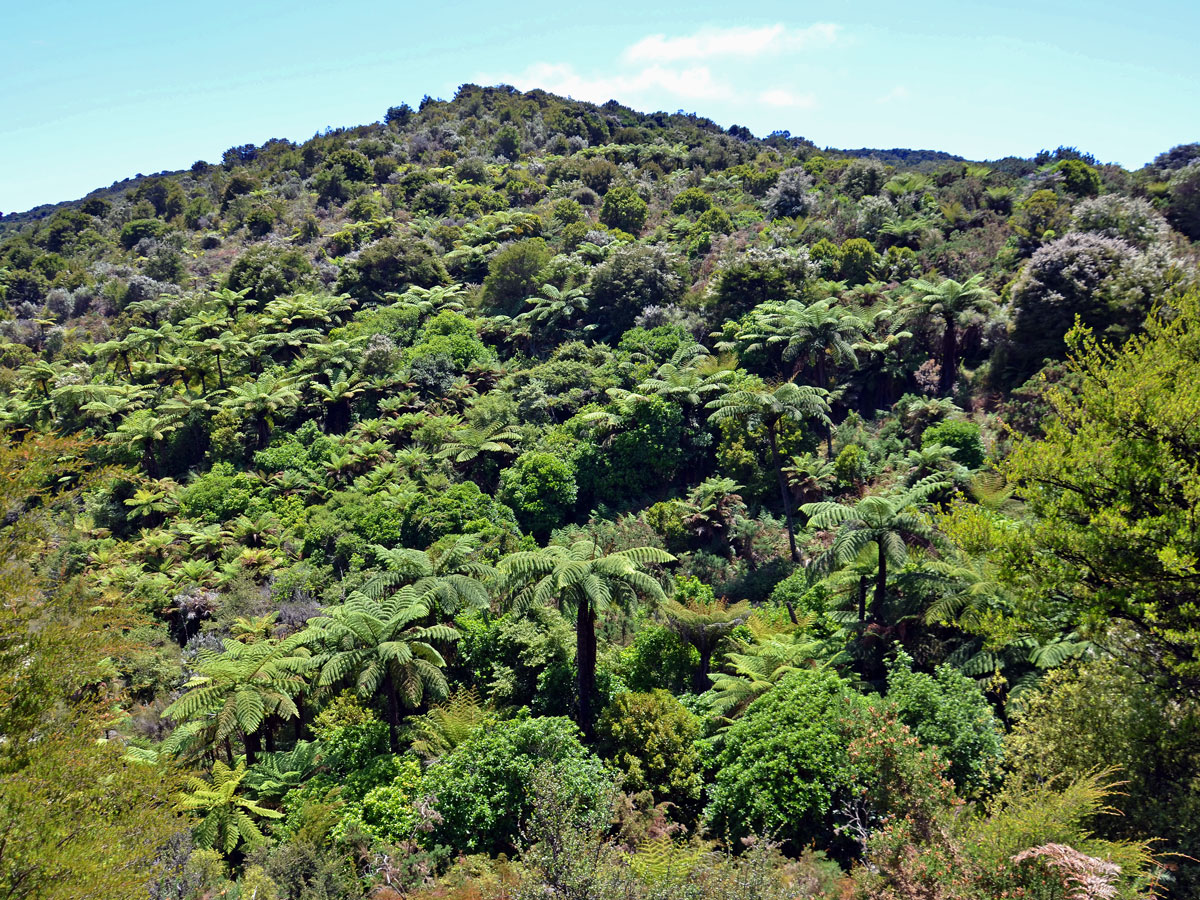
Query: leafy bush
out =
(268, 271)
(540, 488)
(220, 494)
(623, 209)
(651, 740)
(481, 788)
(784, 769)
(657, 659)
(964, 437)
(391, 264)
(514, 274)
(948, 711)
(139, 229)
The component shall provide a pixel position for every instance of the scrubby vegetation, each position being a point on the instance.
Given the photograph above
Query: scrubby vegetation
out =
(520, 497)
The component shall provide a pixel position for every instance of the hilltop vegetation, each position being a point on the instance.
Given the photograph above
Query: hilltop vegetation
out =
(525, 497)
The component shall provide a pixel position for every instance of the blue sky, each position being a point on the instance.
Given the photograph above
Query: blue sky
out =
(91, 93)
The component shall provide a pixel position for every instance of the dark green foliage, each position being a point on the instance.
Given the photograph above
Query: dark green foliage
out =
(520, 660)
(624, 210)
(658, 658)
(632, 278)
(140, 229)
(391, 264)
(640, 457)
(266, 272)
(356, 166)
(508, 142)
(513, 274)
(948, 711)
(481, 789)
(540, 488)
(495, 464)
(1184, 194)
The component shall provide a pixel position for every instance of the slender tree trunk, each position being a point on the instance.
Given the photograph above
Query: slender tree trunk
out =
(783, 495)
(880, 584)
(253, 744)
(269, 734)
(949, 358)
(229, 751)
(220, 373)
(701, 681)
(585, 663)
(337, 418)
(301, 715)
(823, 384)
(862, 599)
(393, 713)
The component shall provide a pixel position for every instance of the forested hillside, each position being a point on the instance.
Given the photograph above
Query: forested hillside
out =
(525, 498)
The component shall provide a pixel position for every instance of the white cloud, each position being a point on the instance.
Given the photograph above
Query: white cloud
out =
(693, 83)
(740, 41)
(783, 98)
(898, 94)
(707, 66)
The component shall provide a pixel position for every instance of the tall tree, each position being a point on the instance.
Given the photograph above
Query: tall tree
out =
(581, 579)
(240, 691)
(262, 401)
(771, 408)
(889, 520)
(383, 648)
(955, 304)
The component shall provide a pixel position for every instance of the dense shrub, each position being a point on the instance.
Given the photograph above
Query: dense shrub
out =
(391, 264)
(481, 788)
(949, 712)
(540, 488)
(651, 741)
(964, 437)
(623, 209)
(784, 769)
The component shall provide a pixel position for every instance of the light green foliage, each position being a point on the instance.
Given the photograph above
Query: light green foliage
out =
(1080, 178)
(220, 494)
(388, 812)
(1128, 432)
(691, 200)
(227, 819)
(651, 740)
(963, 437)
(481, 788)
(948, 711)
(784, 768)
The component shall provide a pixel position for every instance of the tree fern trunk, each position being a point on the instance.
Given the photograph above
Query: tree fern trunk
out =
(393, 713)
(585, 663)
(253, 744)
(949, 359)
(880, 585)
(783, 494)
